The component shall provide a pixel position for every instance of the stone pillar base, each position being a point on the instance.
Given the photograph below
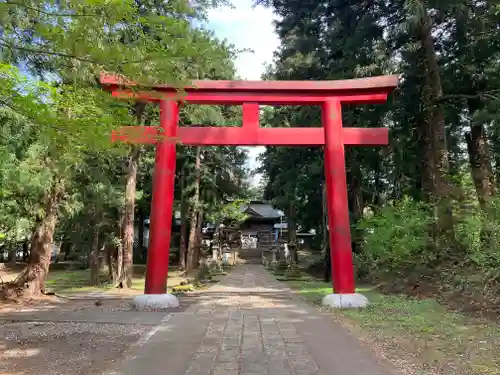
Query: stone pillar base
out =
(345, 301)
(149, 302)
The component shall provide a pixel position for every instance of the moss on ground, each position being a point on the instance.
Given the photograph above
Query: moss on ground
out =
(183, 288)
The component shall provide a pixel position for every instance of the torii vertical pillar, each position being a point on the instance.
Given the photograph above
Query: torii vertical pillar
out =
(161, 213)
(338, 211)
(163, 200)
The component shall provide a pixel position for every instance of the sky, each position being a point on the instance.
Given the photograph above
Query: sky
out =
(247, 27)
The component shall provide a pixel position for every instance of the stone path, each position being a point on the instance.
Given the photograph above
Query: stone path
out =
(249, 324)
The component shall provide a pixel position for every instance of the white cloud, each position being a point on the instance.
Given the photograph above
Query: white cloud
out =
(247, 27)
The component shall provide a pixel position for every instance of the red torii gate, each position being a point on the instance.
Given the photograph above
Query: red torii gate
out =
(330, 95)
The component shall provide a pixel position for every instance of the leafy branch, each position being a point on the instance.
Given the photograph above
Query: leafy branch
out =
(51, 14)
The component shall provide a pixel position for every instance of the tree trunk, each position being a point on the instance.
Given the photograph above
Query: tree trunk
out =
(481, 170)
(436, 131)
(66, 246)
(215, 241)
(26, 250)
(95, 268)
(110, 249)
(114, 252)
(357, 197)
(141, 248)
(128, 218)
(13, 255)
(324, 245)
(327, 270)
(292, 230)
(378, 195)
(357, 204)
(31, 281)
(191, 252)
(477, 140)
(495, 155)
(190, 262)
(119, 266)
(199, 238)
(184, 213)
(428, 163)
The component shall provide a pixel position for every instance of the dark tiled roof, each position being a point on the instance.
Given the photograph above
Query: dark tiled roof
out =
(263, 210)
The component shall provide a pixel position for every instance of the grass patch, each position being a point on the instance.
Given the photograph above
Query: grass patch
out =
(77, 281)
(438, 339)
(284, 274)
(294, 278)
(311, 290)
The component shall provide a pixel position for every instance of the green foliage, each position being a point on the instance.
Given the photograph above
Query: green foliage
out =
(479, 233)
(394, 239)
(54, 131)
(148, 41)
(230, 211)
(397, 246)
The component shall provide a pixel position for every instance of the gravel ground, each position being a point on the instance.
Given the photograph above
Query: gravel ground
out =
(63, 304)
(63, 348)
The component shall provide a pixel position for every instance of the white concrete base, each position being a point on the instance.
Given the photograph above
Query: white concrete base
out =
(345, 301)
(148, 302)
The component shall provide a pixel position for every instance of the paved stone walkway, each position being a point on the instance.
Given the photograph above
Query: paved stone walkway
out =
(249, 324)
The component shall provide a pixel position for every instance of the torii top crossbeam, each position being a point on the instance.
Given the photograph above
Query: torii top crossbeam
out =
(250, 94)
(360, 90)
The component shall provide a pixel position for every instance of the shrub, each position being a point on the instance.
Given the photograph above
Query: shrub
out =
(478, 233)
(394, 239)
(396, 246)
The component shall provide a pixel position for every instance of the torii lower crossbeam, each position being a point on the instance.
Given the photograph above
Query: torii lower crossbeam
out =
(328, 94)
